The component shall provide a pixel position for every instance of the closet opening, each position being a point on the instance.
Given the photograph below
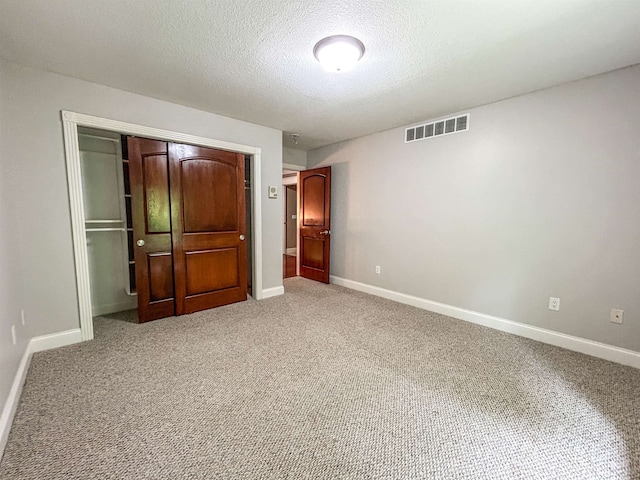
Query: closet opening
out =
(107, 210)
(128, 199)
(99, 175)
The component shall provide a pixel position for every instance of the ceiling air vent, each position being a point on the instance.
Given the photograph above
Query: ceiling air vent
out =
(437, 129)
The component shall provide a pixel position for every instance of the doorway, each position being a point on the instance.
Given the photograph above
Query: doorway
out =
(311, 215)
(290, 223)
(71, 122)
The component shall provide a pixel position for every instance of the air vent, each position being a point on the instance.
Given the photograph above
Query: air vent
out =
(437, 129)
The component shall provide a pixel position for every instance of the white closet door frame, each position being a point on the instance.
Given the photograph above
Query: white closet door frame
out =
(71, 121)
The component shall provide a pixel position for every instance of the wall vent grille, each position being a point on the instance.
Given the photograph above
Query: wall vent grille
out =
(447, 126)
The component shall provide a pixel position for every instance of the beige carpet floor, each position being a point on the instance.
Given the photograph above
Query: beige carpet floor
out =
(322, 383)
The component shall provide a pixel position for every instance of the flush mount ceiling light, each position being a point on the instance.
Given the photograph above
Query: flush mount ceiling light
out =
(338, 53)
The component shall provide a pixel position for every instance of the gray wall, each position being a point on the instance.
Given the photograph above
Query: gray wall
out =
(540, 198)
(32, 143)
(10, 279)
(293, 156)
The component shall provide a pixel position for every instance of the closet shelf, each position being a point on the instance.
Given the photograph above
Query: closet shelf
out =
(106, 229)
(104, 221)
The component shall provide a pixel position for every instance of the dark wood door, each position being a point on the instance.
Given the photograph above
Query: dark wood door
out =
(208, 222)
(151, 220)
(315, 223)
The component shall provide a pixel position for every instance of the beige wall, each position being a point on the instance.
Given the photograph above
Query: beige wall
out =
(540, 198)
(39, 274)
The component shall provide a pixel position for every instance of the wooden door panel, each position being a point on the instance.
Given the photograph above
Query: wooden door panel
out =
(197, 190)
(208, 221)
(156, 193)
(313, 200)
(160, 276)
(151, 215)
(206, 241)
(314, 253)
(315, 223)
(208, 271)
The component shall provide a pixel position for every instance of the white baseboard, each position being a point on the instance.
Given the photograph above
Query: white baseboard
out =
(55, 340)
(577, 344)
(97, 310)
(272, 292)
(11, 404)
(36, 344)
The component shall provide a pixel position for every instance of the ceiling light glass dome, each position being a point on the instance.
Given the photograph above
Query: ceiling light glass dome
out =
(338, 53)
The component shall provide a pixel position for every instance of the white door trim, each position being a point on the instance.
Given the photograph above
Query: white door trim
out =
(71, 121)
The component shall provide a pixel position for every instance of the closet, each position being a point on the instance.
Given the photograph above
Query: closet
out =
(106, 228)
(166, 225)
(189, 227)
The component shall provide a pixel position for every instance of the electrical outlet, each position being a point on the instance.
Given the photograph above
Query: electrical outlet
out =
(554, 303)
(22, 317)
(13, 334)
(377, 269)
(616, 315)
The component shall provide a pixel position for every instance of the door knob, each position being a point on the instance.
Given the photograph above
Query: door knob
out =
(325, 232)
(140, 243)
(241, 237)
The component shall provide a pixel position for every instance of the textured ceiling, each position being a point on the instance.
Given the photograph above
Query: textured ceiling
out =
(253, 60)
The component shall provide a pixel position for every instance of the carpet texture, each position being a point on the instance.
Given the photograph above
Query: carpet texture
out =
(323, 383)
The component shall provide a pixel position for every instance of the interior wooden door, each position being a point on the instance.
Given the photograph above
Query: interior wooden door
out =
(315, 223)
(151, 215)
(208, 221)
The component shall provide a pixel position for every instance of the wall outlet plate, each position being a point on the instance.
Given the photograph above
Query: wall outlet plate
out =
(554, 303)
(616, 315)
(377, 269)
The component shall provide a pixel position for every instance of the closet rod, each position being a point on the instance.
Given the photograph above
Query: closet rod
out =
(105, 229)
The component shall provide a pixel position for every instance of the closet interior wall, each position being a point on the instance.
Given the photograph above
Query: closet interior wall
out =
(105, 221)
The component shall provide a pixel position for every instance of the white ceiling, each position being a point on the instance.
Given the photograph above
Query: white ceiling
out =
(253, 59)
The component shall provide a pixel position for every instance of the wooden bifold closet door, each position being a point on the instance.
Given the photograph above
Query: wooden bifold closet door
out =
(188, 227)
